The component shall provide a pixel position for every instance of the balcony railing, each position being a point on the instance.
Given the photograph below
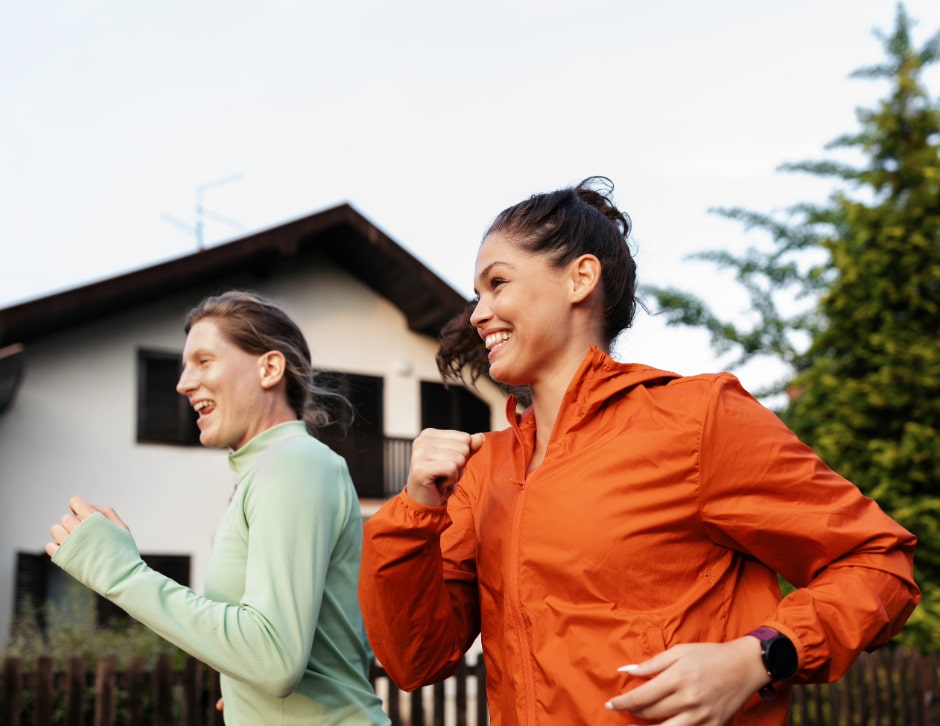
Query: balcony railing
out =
(396, 459)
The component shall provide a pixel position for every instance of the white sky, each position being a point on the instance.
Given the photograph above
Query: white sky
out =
(428, 117)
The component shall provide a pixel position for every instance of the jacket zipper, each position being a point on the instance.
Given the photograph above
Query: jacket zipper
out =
(528, 679)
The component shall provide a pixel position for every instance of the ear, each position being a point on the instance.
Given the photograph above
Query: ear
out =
(585, 276)
(271, 367)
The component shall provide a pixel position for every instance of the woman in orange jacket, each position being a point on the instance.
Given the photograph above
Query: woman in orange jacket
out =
(618, 545)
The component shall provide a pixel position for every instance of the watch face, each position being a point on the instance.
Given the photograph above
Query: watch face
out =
(781, 658)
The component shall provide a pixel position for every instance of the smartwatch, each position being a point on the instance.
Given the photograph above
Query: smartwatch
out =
(779, 656)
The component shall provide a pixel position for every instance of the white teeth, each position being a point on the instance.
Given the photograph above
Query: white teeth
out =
(496, 338)
(202, 404)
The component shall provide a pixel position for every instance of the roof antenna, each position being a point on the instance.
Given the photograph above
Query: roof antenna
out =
(202, 213)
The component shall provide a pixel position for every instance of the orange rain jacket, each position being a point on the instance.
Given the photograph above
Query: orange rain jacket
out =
(661, 514)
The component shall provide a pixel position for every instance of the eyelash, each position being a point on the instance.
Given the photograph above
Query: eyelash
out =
(493, 284)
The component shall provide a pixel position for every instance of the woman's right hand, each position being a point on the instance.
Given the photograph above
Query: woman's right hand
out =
(79, 511)
(438, 458)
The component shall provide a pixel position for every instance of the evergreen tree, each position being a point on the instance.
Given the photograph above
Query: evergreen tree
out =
(866, 389)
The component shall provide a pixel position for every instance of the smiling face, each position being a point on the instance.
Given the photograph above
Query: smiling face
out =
(224, 385)
(524, 313)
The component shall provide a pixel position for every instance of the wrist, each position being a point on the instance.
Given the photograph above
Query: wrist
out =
(425, 496)
(778, 656)
(753, 675)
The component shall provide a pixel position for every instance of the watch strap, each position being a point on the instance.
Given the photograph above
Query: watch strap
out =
(764, 634)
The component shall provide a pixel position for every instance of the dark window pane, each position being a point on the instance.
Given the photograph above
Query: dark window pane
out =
(363, 444)
(39, 582)
(163, 416)
(453, 408)
(176, 567)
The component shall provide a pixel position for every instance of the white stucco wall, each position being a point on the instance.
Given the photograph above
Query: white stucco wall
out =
(72, 428)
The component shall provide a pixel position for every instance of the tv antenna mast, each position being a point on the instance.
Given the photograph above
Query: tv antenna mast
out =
(198, 228)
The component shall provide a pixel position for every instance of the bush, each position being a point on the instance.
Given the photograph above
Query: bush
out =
(70, 629)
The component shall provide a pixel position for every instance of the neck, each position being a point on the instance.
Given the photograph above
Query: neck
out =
(278, 413)
(547, 395)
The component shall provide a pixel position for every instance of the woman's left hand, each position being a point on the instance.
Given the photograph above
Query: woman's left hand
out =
(695, 684)
(79, 510)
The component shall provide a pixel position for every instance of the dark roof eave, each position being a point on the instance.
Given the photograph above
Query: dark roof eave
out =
(340, 233)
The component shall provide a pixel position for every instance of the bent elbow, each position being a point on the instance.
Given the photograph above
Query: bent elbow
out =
(409, 678)
(406, 682)
(280, 687)
(280, 682)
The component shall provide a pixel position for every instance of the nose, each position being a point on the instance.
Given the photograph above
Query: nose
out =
(185, 384)
(480, 313)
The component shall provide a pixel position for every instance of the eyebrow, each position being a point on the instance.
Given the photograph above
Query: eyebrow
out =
(486, 270)
(193, 354)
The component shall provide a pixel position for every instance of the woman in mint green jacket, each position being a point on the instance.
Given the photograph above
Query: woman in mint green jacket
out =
(279, 620)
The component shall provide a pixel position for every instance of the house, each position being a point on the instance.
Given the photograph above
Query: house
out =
(88, 403)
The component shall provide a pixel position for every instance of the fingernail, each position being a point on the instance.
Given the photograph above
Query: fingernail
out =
(628, 668)
(609, 706)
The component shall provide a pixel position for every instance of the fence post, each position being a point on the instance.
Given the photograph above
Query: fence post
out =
(908, 667)
(12, 691)
(134, 687)
(76, 683)
(105, 692)
(438, 690)
(483, 716)
(192, 691)
(45, 690)
(163, 691)
(460, 695)
(215, 693)
(928, 688)
(417, 707)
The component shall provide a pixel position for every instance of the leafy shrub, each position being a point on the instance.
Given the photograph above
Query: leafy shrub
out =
(69, 629)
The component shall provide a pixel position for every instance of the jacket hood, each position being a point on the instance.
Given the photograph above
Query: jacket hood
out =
(598, 380)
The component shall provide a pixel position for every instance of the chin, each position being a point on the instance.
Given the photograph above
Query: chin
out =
(209, 442)
(506, 378)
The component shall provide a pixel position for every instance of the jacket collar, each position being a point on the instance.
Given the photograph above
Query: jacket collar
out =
(598, 378)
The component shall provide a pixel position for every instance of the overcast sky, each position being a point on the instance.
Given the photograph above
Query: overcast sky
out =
(428, 117)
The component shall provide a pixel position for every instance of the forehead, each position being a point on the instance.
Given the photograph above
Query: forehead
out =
(497, 248)
(206, 334)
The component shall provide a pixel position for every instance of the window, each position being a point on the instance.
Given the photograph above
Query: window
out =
(453, 407)
(363, 444)
(39, 582)
(163, 415)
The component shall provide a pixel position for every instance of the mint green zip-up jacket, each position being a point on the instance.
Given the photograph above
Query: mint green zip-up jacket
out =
(279, 620)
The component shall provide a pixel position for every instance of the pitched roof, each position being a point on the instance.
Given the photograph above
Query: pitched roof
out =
(340, 233)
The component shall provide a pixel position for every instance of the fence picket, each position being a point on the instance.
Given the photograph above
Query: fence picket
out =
(13, 693)
(134, 680)
(163, 691)
(105, 693)
(192, 690)
(75, 692)
(460, 694)
(45, 689)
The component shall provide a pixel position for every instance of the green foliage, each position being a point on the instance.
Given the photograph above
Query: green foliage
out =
(71, 631)
(865, 392)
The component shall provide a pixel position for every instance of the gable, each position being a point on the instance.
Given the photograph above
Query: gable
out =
(339, 233)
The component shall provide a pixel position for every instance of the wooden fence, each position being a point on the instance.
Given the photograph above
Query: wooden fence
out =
(892, 687)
